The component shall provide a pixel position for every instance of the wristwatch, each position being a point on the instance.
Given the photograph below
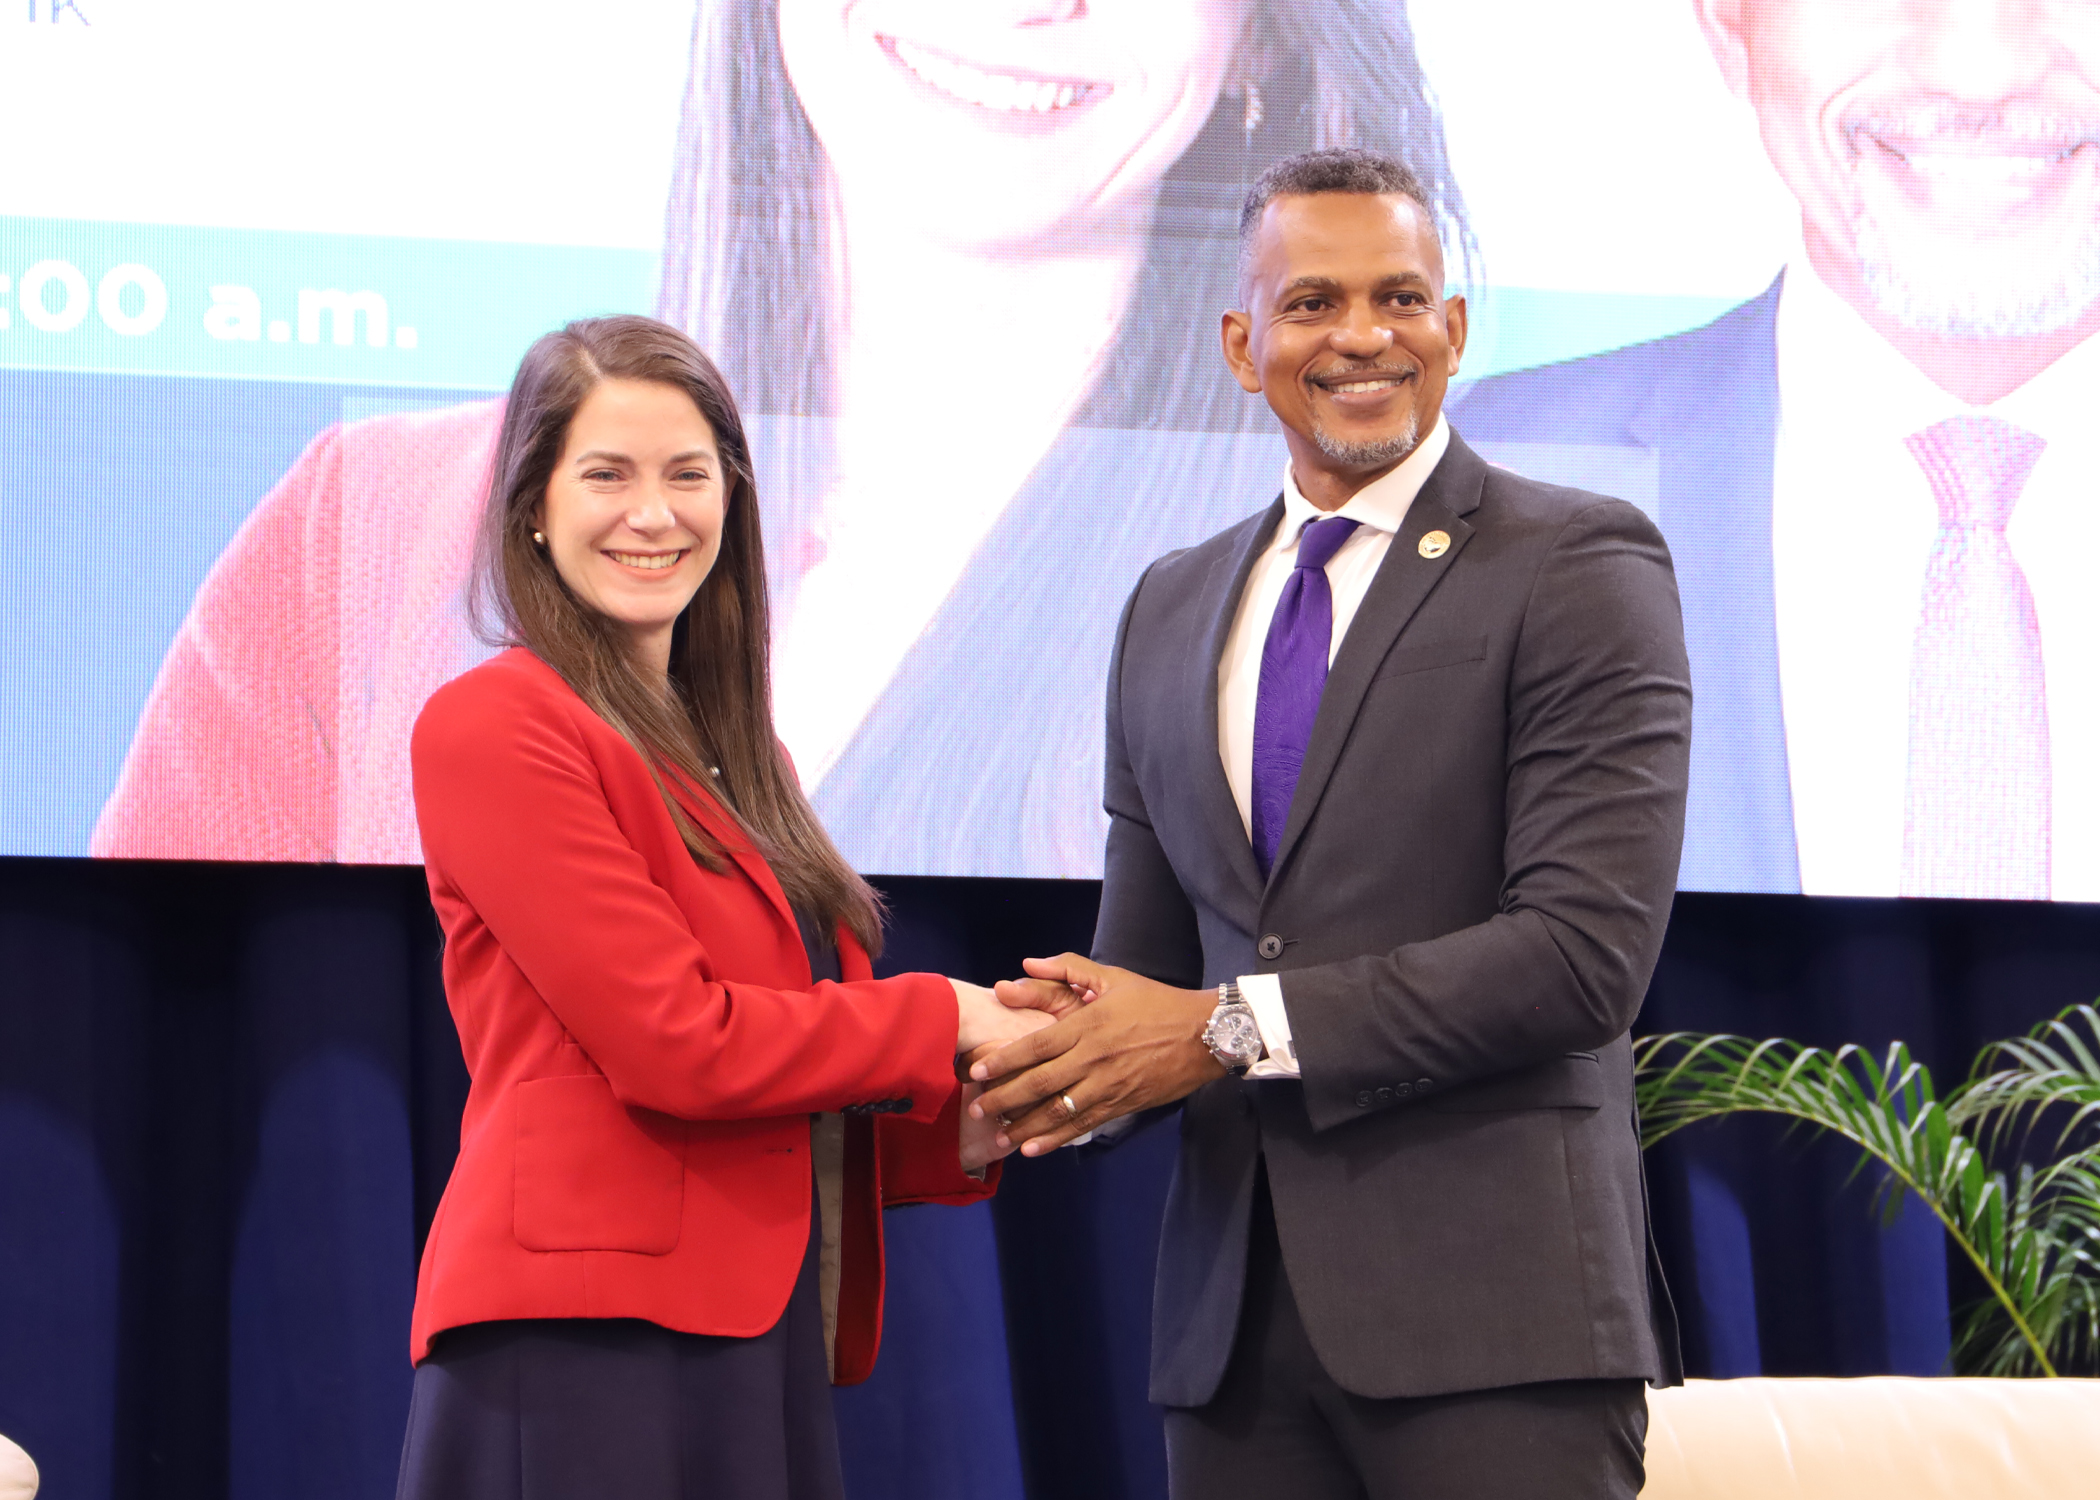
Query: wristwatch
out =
(1233, 1035)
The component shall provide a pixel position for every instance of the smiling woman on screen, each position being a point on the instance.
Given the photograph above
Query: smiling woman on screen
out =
(690, 1101)
(963, 259)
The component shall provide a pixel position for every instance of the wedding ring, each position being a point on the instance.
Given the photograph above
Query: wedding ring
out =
(1071, 1109)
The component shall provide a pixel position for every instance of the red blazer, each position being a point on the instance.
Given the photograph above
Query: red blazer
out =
(646, 1046)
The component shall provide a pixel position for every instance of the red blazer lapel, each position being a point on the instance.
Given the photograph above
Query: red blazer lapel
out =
(718, 825)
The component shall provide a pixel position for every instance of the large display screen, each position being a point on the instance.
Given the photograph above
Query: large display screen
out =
(1813, 282)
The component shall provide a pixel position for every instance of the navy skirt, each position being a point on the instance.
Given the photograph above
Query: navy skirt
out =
(584, 1408)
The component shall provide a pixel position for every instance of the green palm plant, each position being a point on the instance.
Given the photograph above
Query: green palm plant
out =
(2021, 1203)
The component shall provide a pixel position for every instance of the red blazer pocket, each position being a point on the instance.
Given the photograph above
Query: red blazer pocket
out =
(592, 1174)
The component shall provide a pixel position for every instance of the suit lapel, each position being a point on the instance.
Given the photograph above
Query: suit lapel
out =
(1403, 581)
(762, 876)
(1715, 421)
(730, 838)
(1221, 602)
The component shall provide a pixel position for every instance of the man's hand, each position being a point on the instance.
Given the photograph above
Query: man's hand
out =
(1135, 1044)
(1054, 999)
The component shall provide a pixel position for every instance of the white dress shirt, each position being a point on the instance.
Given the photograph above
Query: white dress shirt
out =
(1853, 522)
(1380, 507)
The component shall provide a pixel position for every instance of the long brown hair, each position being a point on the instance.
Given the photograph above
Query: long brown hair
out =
(713, 733)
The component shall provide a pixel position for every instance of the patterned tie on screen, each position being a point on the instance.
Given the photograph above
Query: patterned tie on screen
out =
(1293, 673)
(1976, 804)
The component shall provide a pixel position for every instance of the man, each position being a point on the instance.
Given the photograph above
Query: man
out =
(1879, 479)
(1395, 773)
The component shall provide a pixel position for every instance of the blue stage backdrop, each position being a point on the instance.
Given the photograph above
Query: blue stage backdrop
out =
(229, 1098)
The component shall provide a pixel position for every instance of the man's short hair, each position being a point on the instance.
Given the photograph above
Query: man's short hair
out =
(1338, 169)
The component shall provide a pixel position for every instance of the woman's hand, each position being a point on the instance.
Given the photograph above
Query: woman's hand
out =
(980, 1138)
(982, 1021)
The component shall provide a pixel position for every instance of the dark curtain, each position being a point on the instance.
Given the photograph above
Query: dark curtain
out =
(229, 1098)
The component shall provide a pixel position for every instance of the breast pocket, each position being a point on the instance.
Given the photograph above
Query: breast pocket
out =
(592, 1174)
(1409, 657)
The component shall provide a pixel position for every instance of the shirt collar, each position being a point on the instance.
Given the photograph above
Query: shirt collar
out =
(1382, 504)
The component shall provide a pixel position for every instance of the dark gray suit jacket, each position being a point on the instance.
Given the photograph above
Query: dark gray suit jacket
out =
(1465, 908)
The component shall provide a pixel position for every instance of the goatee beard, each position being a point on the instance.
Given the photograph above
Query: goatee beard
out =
(1978, 277)
(1961, 291)
(1366, 455)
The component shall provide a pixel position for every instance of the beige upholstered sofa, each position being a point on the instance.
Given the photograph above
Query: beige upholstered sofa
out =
(1813, 1440)
(17, 1473)
(1945, 1439)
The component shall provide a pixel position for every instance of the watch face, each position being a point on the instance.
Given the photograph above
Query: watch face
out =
(1234, 1034)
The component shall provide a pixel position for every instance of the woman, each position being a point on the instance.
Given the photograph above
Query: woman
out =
(663, 1233)
(971, 258)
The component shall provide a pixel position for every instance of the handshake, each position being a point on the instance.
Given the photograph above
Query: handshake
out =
(1069, 1048)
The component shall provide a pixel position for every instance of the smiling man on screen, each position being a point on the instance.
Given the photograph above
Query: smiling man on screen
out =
(1395, 778)
(1881, 477)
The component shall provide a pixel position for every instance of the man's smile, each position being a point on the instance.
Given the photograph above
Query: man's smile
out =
(1975, 162)
(1360, 387)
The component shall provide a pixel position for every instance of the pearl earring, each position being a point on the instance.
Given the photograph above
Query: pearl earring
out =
(539, 538)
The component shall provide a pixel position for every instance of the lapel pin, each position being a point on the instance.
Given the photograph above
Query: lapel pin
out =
(1434, 543)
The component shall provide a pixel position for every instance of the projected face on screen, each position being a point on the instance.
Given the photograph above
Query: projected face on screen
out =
(1009, 119)
(1948, 158)
(981, 188)
(1874, 475)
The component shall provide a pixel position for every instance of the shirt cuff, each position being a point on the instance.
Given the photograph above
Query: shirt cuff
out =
(1265, 993)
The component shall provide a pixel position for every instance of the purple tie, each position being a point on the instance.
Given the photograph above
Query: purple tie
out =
(1293, 673)
(1977, 793)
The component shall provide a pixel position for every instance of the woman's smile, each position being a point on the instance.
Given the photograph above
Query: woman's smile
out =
(1004, 123)
(649, 562)
(1005, 90)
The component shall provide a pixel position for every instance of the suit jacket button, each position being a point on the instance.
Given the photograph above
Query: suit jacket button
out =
(1422, 1085)
(1403, 1089)
(1385, 1096)
(1363, 1100)
(1270, 947)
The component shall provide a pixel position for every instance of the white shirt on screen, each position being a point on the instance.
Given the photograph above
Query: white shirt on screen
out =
(1380, 506)
(1853, 523)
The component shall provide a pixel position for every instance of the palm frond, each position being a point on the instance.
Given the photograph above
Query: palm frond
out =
(2017, 1082)
(2033, 1236)
(2059, 1286)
